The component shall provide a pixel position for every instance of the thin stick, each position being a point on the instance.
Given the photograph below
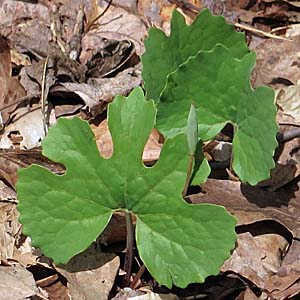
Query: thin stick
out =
(194, 9)
(260, 32)
(56, 29)
(88, 27)
(137, 277)
(22, 99)
(288, 135)
(185, 5)
(43, 96)
(129, 246)
(15, 161)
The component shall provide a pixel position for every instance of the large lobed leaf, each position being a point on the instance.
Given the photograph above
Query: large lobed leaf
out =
(219, 86)
(178, 242)
(208, 63)
(165, 54)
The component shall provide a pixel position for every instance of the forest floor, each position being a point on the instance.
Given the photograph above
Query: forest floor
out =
(66, 58)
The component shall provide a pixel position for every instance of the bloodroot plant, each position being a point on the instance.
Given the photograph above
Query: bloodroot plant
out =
(198, 78)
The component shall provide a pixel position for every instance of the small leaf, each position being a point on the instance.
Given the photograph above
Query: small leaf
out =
(201, 168)
(192, 130)
(164, 54)
(179, 243)
(218, 85)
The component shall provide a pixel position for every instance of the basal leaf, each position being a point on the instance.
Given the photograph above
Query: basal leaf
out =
(219, 86)
(164, 54)
(178, 242)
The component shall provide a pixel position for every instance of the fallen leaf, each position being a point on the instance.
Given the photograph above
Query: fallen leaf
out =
(11, 89)
(19, 58)
(267, 213)
(98, 92)
(9, 225)
(29, 124)
(250, 295)
(8, 228)
(156, 13)
(91, 274)
(281, 175)
(126, 293)
(109, 58)
(8, 170)
(117, 24)
(256, 257)
(294, 3)
(55, 287)
(16, 283)
(293, 30)
(277, 60)
(33, 34)
(288, 100)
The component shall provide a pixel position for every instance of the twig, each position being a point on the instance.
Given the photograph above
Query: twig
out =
(15, 161)
(129, 246)
(43, 97)
(55, 28)
(14, 119)
(22, 99)
(137, 277)
(194, 9)
(88, 27)
(288, 135)
(41, 296)
(260, 32)
(74, 47)
(185, 5)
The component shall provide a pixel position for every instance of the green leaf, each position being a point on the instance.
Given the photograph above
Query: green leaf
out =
(218, 84)
(178, 242)
(201, 168)
(192, 130)
(164, 54)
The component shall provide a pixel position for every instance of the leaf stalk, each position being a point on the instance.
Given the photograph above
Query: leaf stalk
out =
(129, 246)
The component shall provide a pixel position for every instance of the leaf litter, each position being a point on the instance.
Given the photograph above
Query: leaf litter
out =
(264, 15)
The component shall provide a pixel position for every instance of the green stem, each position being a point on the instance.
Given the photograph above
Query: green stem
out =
(129, 246)
(231, 156)
(188, 175)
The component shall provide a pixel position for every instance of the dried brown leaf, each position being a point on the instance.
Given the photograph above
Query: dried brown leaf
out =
(91, 274)
(277, 59)
(16, 283)
(267, 222)
(11, 89)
